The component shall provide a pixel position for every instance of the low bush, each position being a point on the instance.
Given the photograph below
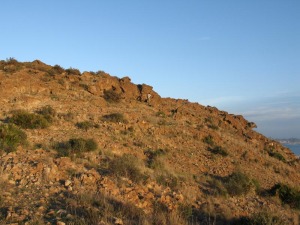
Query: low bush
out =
(47, 112)
(55, 70)
(10, 65)
(153, 161)
(111, 96)
(67, 116)
(287, 194)
(28, 120)
(89, 208)
(58, 69)
(160, 114)
(11, 137)
(213, 127)
(85, 125)
(12, 61)
(115, 118)
(208, 140)
(238, 184)
(73, 71)
(277, 155)
(217, 187)
(75, 147)
(126, 166)
(100, 72)
(218, 150)
(168, 180)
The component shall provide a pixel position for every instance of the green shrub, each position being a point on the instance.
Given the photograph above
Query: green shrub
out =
(28, 120)
(287, 194)
(75, 146)
(277, 155)
(47, 112)
(73, 71)
(100, 72)
(85, 125)
(126, 166)
(112, 96)
(208, 140)
(115, 118)
(238, 184)
(11, 137)
(58, 69)
(218, 150)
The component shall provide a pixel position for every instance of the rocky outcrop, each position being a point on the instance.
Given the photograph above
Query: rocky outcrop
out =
(183, 153)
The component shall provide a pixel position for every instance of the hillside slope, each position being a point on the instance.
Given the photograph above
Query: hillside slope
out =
(102, 150)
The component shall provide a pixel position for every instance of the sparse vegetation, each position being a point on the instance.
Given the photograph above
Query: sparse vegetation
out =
(153, 160)
(217, 187)
(208, 140)
(89, 209)
(261, 218)
(84, 86)
(160, 114)
(238, 183)
(277, 155)
(10, 65)
(115, 118)
(141, 173)
(73, 71)
(47, 112)
(213, 127)
(85, 125)
(235, 184)
(67, 116)
(168, 180)
(126, 166)
(28, 120)
(100, 72)
(75, 147)
(11, 137)
(218, 150)
(111, 96)
(287, 194)
(58, 69)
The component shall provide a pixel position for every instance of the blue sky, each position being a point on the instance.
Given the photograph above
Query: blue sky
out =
(240, 56)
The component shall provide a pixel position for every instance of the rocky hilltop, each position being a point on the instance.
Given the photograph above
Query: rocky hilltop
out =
(91, 148)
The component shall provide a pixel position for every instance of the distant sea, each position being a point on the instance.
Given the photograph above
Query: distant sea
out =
(294, 148)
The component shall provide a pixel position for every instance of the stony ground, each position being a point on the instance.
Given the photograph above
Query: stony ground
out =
(163, 161)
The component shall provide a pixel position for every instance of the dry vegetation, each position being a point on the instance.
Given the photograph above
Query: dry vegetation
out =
(88, 148)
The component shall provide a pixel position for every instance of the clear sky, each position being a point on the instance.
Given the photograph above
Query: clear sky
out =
(240, 56)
